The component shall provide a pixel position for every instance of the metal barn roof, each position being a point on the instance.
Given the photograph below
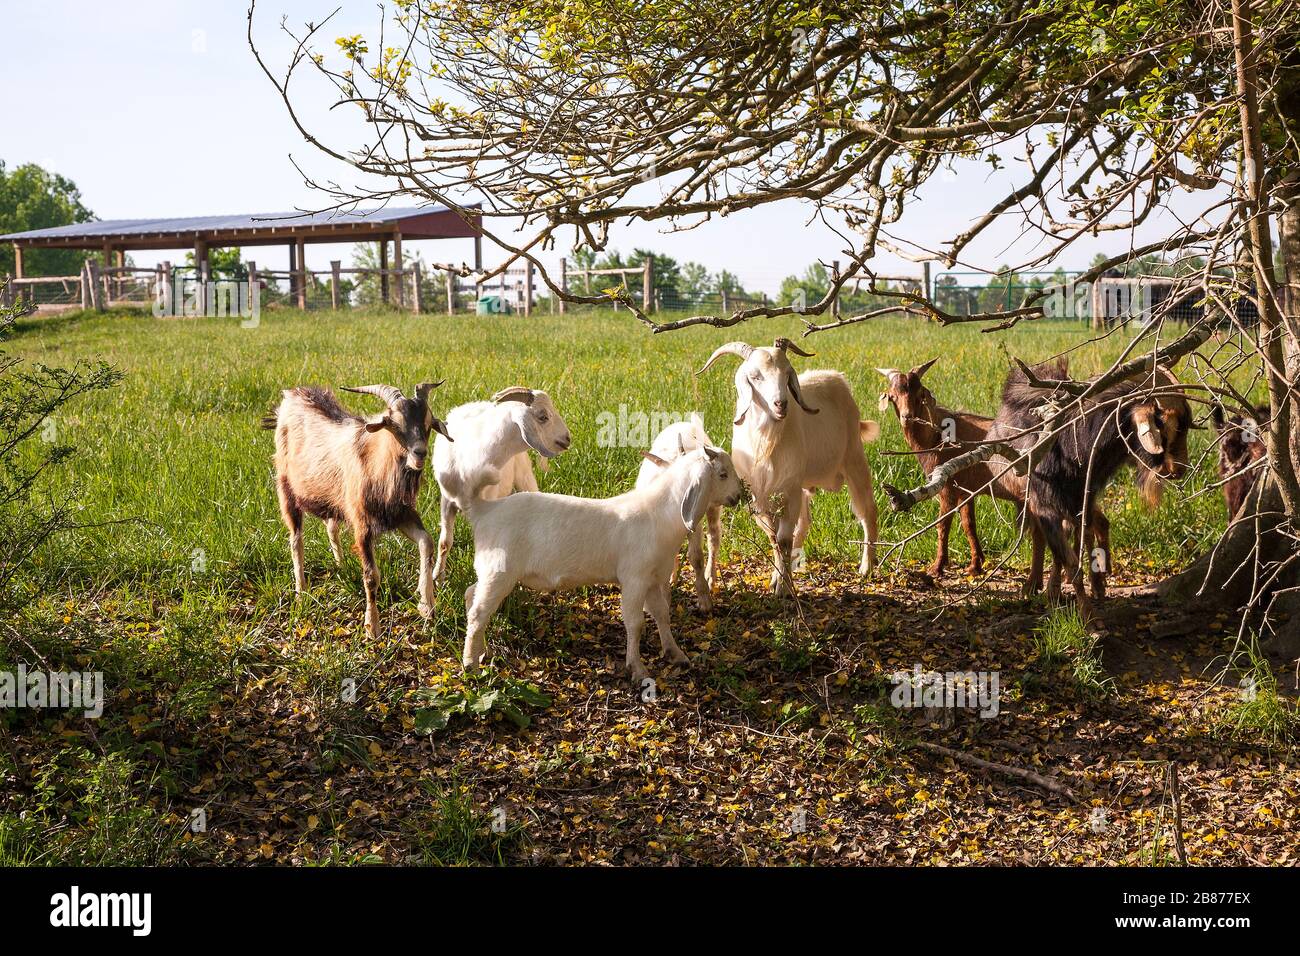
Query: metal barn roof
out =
(427, 222)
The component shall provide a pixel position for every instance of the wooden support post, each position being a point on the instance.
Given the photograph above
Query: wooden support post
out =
(451, 293)
(87, 295)
(302, 273)
(415, 287)
(383, 271)
(201, 275)
(293, 272)
(335, 266)
(647, 285)
(564, 280)
(478, 253)
(528, 289)
(927, 286)
(397, 266)
(18, 261)
(96, 287)
(169, 303)
(724, 300)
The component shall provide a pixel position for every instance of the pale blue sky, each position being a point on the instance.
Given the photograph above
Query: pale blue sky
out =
(159, 109)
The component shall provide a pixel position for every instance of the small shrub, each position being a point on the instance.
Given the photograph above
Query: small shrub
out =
(491, 694)
(1066, 650)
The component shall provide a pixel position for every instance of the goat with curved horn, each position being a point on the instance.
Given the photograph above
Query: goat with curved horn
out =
(743, 349)
(390, 394)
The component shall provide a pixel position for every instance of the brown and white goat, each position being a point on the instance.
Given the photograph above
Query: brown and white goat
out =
(1143, 421)
(1241, 444)
(784, 453)
(938, 434)
(365, 471)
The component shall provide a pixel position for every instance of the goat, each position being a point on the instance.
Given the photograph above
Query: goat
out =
(490, 459)
(784, 455)
(555, 542)
(670, 444)
(1144, 421)
(365, 471)
(1241, 445)
(936, 433)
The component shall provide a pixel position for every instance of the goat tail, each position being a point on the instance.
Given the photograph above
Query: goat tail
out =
(270, 421)
(868, 430)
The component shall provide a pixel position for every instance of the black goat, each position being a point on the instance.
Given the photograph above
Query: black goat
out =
(1144, 421)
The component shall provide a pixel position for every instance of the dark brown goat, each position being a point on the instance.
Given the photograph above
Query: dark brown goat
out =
(934, 433)
(1241, 444)
(365, 471)
(1146, 422)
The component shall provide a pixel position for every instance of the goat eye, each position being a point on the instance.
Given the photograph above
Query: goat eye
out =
(723, 476)
(542, 417)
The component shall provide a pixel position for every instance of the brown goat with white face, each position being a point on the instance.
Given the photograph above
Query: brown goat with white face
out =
(937, 434)
(365, 471)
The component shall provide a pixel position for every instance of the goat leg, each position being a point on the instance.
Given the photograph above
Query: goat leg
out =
(365, 546)
(972, 538)
(414, 529)
(658, 604)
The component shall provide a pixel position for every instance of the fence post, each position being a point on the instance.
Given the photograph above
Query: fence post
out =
(96, 287)
(451, 292)
(399, 265)
(302, 273)
(415, 290)
(647, 285)
(335, 266)
(528, 289)
(724, 299)
(169, 305)
(835, 300)
(925, 281)
(87, 297)
(564, 280)
(7, 291)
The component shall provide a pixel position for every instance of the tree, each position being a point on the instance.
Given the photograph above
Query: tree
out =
(31, 448)
(1096, 111)
(32, 198)
(224, 263)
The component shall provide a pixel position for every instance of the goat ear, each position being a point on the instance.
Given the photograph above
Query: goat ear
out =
(711, 453)
(528, 429)
(375, 422)
(744, 398)
(793, 381)
(441, 428)
(695, 503)
(654, 459)
(883, 402)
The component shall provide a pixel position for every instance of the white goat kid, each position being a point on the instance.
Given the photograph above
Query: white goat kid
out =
(489, 455)
(555, 542)
(670, 444)
(784, 454)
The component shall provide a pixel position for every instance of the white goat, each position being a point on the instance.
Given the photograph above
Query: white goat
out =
(784, 454)
(489, 455)
(670, 444)
(554, 542)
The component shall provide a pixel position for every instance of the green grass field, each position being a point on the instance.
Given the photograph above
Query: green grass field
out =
(175, 457)
(226, 696)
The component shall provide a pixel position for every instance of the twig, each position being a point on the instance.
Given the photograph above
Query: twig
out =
(1050, 784)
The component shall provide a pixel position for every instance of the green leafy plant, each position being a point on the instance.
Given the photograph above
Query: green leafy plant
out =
(492, 694)
(1260, 712)
(1066, 649)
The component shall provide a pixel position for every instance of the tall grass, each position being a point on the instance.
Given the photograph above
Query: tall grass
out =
(176, 475)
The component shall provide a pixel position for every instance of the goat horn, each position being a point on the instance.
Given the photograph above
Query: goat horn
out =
(515, 393)
(388, 393)
(922, 369)
(783, 343)
(424, 388)
(888, 372)
(743, 349)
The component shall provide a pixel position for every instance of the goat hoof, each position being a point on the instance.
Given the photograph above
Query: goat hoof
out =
(426, 610)
(675, 655)
(704, 603)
